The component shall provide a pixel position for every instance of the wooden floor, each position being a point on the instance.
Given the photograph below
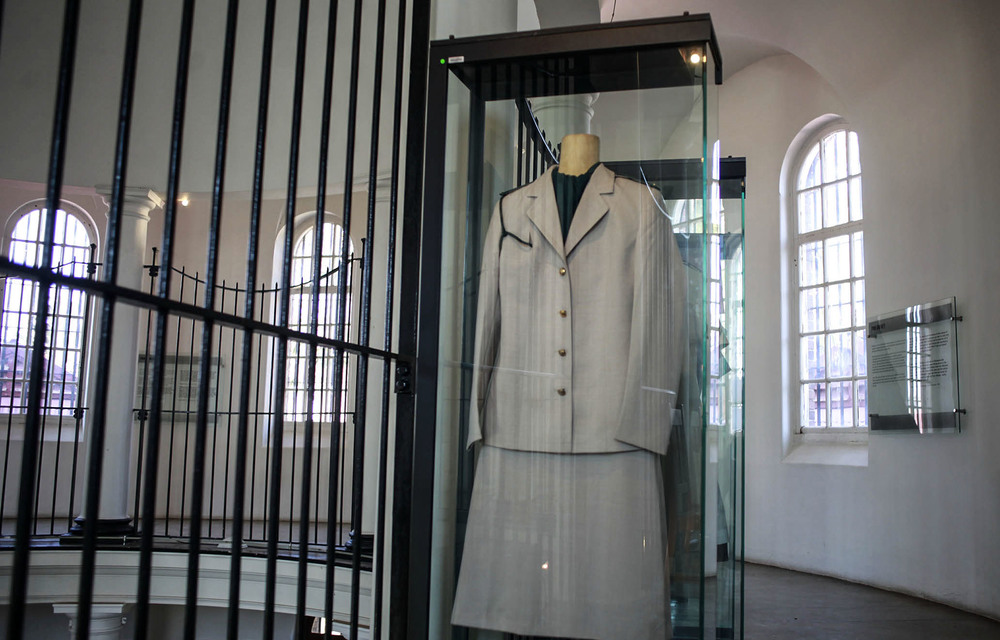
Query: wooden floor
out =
(788, 605)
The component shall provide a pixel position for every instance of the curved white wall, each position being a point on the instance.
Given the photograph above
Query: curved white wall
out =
(924, 515)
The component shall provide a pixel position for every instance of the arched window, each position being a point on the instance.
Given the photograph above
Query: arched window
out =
(829, 283)
(66, 330)
(331, 302)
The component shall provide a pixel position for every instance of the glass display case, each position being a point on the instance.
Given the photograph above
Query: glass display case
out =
(582, 337)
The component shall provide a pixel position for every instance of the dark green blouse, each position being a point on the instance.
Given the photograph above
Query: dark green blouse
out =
(569, 190)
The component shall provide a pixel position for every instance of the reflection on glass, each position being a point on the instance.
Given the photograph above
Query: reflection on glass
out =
(835, 157)
(813, 352)
(861, 387)
(838, 258)
(811, 310)
(810, 263)
(859, 303)
(810, 211)
(840, 354)
(857, 211)
(841, 405)
(835, 204)
(860, 355)
(813, 405)
(858, 254)
(838, 305)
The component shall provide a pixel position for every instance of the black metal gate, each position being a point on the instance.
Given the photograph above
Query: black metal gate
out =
(273, 410)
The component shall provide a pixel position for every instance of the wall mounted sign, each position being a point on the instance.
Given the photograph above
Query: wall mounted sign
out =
(913, 369)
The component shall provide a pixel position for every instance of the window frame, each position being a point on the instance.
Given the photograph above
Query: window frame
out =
(291, 419)
(812, 137)
(62, 417)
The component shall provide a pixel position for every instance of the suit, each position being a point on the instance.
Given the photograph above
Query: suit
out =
(579, 343)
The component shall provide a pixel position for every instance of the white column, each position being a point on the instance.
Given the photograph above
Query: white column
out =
(106, 620)
(113, 518)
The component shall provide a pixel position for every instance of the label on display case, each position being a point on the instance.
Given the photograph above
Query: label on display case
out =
(913, 369)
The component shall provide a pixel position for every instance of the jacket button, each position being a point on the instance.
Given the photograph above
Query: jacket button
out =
(561, 391)
(562, 271)
(562, 312)
(562, 352)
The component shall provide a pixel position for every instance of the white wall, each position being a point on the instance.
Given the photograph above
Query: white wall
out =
(920, 87)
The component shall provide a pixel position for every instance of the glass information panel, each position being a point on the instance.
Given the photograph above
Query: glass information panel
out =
(913, 369)
(589, 388)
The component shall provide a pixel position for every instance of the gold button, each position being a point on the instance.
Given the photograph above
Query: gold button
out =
(562, 312)
(561, 391)
(562, 271)
(562, 352)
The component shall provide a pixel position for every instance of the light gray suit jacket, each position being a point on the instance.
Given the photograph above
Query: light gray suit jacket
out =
(579, 344)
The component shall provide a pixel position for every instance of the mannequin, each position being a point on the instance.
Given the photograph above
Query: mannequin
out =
(579, 152)
(571, 410)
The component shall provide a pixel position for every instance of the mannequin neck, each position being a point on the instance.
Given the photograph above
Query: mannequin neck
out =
(579, 152)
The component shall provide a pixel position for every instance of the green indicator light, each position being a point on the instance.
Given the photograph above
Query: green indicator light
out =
(442, 60)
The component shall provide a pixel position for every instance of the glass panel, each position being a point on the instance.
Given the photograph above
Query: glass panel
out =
(841, 404)
(813, 397)
(853, 153)
(810, 211)
(860, 355)
(838, 304)
(857, 210)
(810, 263)
(813, 357)
(840, 354)
(859, 303)
(861, 387)
(838, 258)
(811, 310)
(810, 170)
(835, 204)
(834, 156)
(858, 254)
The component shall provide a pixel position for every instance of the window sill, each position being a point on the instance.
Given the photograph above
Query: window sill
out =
(833, 451)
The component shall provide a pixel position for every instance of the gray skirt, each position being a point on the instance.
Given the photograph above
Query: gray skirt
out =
(566, 546)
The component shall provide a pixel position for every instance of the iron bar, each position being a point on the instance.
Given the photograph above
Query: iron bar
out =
(207, 328)
(154, 270)
(378, 565)
(169, 231)
(57, 154)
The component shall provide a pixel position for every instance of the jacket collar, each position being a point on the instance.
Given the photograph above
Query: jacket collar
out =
(543, 212)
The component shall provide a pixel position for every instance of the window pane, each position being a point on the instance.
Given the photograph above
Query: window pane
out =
(835, 156)
(838, 305)
(810, 263)
(809, 176)
(811, 310)
(859, 303)
(860, 354)
(853, 153)
(841, 404)
(835, 204)
(858, 254)
(840, 354)
(810, 211)
(857, 211)
(838, 258)
(813, 399)
(813, 357)
(862, 396)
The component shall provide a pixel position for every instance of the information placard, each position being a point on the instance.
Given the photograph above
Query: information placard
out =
(913, 369)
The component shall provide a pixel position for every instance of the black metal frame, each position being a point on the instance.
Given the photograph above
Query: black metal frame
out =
(413, 23)
(514, 66)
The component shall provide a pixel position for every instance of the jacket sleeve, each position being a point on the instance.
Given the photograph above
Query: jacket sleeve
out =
(487, 338)
(657, 338)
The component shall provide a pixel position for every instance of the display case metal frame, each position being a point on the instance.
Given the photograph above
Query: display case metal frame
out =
(494, 67)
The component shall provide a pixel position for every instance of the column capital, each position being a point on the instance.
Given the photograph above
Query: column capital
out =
(106, 620)
(137, 201)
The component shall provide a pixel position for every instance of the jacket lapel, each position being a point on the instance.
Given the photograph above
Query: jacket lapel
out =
(592, 207)
(542, 210)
